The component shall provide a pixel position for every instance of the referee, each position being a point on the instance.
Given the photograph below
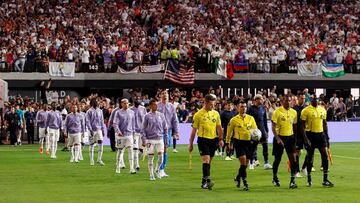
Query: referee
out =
(314, 118)
(207, 122)
(239, 129)
(284, 122)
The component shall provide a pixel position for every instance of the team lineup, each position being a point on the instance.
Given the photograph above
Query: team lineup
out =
(238, 132)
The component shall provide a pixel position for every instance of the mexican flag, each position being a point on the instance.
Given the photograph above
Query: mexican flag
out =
(332, 70)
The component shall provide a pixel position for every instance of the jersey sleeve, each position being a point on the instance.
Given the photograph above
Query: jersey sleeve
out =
(275, 116)
(303, 115)
(218, 120)
(229, 132)
(196, 121)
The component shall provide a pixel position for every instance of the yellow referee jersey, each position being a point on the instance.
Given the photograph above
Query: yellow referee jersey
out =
(239, 127)
(205, 122)
(284, 120)
(313, 117)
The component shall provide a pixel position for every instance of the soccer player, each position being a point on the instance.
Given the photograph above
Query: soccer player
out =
(239, 128)
(225, 117)
(258, 111)
(314, 122)
(140, 113)
(22, 124)
(172, 122)
(41, 117)
(153, 129)
(299, 139)
(206, 123)
(53, 125)
(124, 126)
(95, 124)
(73, 129)
(284, 122)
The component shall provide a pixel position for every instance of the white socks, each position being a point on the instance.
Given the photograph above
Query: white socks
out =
(151, 165)
(47, 143)
(91, 153)
(72, 154)
(41, 142)
(131, 159)
(77, 150)
(100, 152)
(159, 161)
(136, 158)
(121, 160)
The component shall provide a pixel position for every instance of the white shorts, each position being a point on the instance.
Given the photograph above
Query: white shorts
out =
(85, 137)
(55, 133)
(137, 141)
(123, 141)
(96, 136)
(74, 139)
(42, 133)
(152, 144)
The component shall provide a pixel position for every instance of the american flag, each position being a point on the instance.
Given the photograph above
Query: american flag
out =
(179, 73)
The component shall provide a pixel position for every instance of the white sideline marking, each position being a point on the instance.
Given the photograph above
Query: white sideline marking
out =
(347, 157)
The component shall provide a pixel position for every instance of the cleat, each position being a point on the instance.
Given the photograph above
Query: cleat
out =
(210, 185)
(228, 158)
(152, 178)
(237, 181)
(163, 174)
(304, 172)
(41, 150)
(175, 151)
(158, 174)
(137, 169)
(117, 170)
(133, 172)
(217, 153)
(267, 166)
(327, 183)
(47, 152)
(101, 163)
(76, 161)
(257, 163)
(92, 163)
(313, 169)
(246, 187)
(251, 167)
(293, 185)
(321, 168)
(71, 160)
(276, 182)
(309, 184)
(298, 175)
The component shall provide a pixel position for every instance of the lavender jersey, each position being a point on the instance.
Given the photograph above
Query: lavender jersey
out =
(54, 120)
(169, 112)
(140, 113)
(41, 117)
(124, 122)
(111, 119)
(94, 119)
(74, 123)
(154, 126)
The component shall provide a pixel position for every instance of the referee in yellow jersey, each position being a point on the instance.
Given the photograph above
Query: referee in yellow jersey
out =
(314, 122)
(284, 121)
(206, 122)
(239, 129)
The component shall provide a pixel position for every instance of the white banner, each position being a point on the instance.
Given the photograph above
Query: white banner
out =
(309, 69)
(62, 69)
(152, 69)
(134, 70)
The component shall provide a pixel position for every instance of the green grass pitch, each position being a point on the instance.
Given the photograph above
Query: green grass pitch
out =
(27, 176)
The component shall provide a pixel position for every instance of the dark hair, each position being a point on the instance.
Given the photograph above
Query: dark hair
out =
(210, 97)
(93, 103)
(152, 101)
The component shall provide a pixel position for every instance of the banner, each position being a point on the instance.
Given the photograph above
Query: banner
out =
(332, 70)
(152, 68)
(62, 69)
(241, 66)
(308, 69)
(134, 70)
(220, 67)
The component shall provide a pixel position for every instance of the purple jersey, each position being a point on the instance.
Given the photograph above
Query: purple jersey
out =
(94, 119)
(54, 120)
(140, 113)
(41, 117)
(171, 118)
(124, 122)
(74, 123)
(154, 126)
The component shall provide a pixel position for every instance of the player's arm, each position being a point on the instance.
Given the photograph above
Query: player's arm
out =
(175, 124)
(195, 127)
(143, 130)
(303, 118)
(273, 127)
(229, 132)
(219, 130)
(116, 123)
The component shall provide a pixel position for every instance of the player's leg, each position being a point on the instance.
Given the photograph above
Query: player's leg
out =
(289, 143)
(91, 147)
(265, 146)
(99, 138)
(129, 145)
(77, 147)
(47, 143)
(163, 165)
(150, 149)
(278, 150)
(160, 150)
(71, 147)
(136, 151)
(41, 139)
(120, 145)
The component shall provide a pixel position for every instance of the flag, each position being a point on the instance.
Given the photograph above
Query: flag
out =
(229, 71)
(308, 69)
(134, 70)
(62, 69)
(240, 66)
(332, 70)
(152, 68)
(179, 73)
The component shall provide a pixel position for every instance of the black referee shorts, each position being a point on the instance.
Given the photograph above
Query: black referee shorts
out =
(317, 140)
(242, 147)
(299, 141)
(207, 146)
(289, 145)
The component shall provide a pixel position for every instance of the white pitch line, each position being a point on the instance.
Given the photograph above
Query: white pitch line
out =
(347, 157)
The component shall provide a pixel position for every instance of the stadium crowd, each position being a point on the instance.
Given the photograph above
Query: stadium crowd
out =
(114, 34)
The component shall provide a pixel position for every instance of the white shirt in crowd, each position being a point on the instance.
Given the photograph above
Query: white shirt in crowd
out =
(85, 56)
(281, 55)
